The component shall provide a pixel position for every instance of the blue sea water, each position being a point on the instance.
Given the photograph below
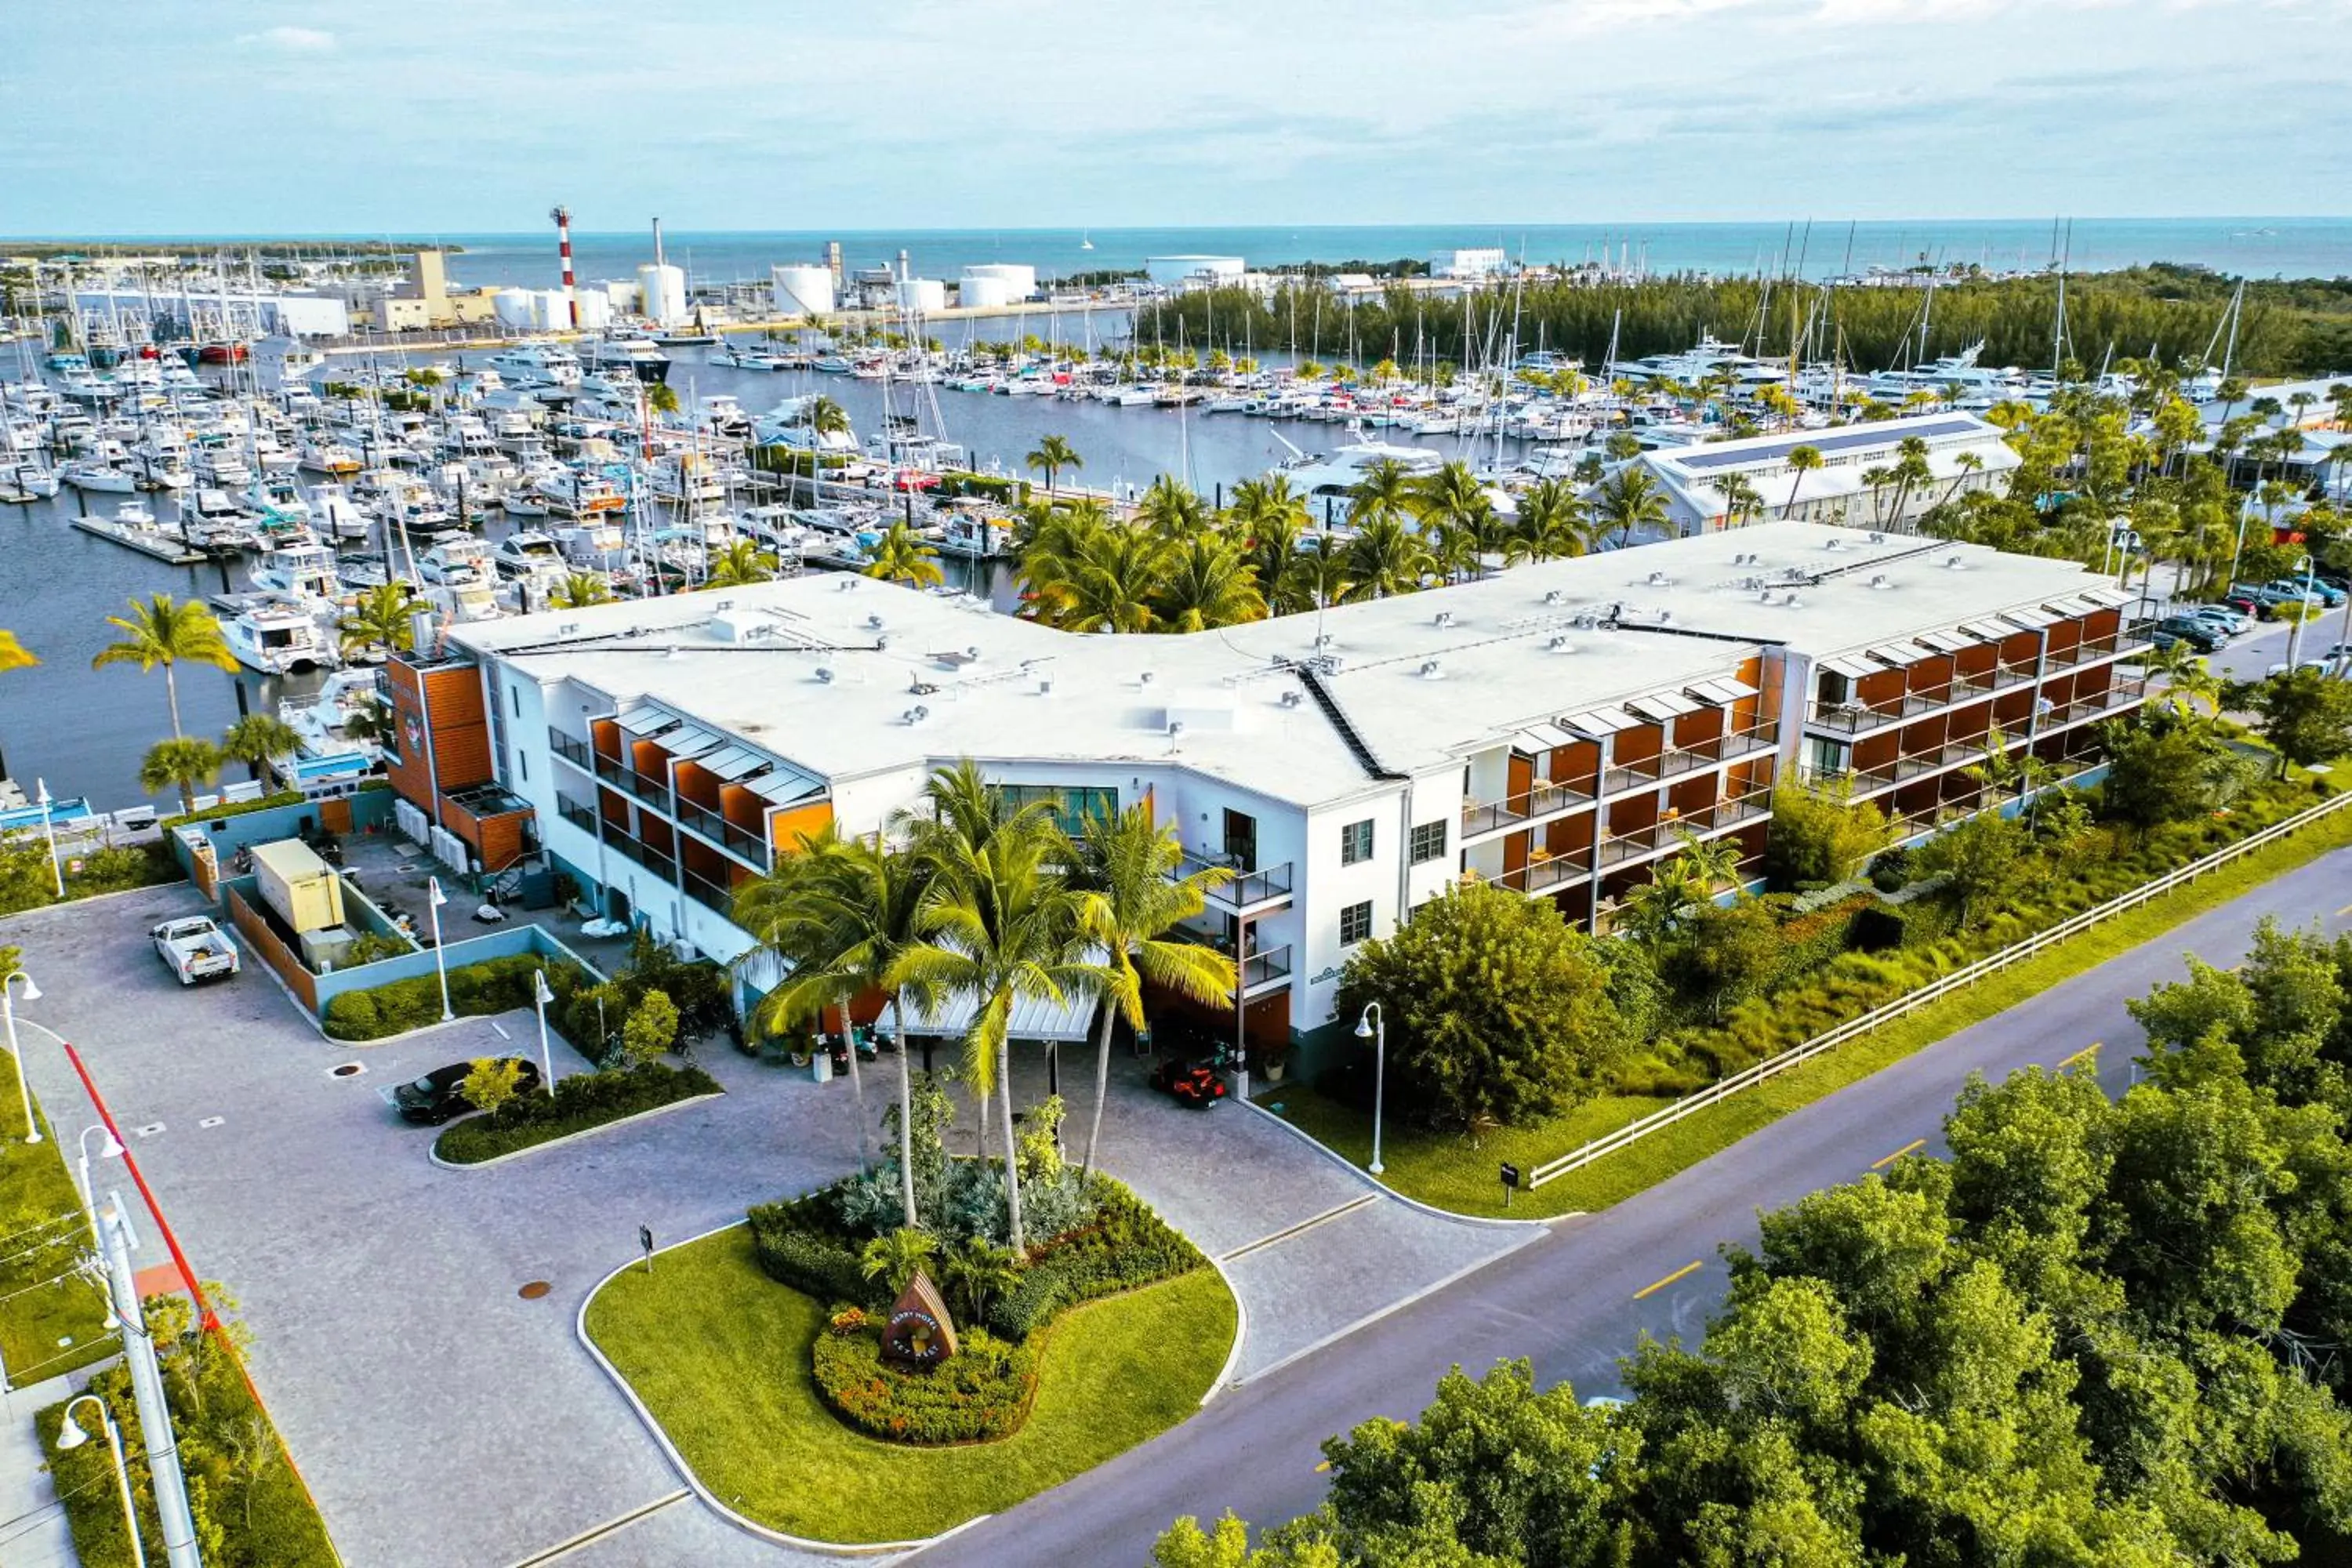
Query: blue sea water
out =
(2254, 246)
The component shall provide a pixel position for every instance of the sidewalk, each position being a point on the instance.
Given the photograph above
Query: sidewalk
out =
(33, 1532)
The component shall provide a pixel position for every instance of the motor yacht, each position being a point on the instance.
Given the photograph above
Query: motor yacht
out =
(275, 633)
(640, 356)
(1334, 476)
(456, 559)
(538, 364)
(324, 719)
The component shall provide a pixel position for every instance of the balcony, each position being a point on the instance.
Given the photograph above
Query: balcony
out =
(1245, 893)
(1677, 761)
(714, 831)
(582, 817)
(2117, 696)
(1704, 823)
(572, 750)
(1856, 718)
(2092, 650)
(1543, 801)
(1264, 969)
(710, 895)
(1544, 876)
(645, 855)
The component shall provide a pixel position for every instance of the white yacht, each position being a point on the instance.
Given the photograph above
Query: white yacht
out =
(568, 492)
(640, 356)
(99, 478)
(324, 455)
(966, 530)
(335, 514)
(280, 501)
(788, 425)
(538, 364)
(324, 719)
(300, 569)
(455, 559)
(1333, 476)
(743, 356)
(527, 552)
(274, 633)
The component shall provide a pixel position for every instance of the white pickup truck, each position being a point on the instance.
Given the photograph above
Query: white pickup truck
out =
(196, 949)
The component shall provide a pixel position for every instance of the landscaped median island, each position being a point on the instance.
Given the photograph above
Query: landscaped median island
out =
(52, 1318)
(1696, 991)
(817, 1383)
(582, 1101)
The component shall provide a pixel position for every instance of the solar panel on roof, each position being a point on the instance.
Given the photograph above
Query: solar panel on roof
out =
(1826, 442)
(734, 762)
(1853, 669)
(689, 741)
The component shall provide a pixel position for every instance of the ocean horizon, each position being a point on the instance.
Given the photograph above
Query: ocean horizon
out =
(2254, 245)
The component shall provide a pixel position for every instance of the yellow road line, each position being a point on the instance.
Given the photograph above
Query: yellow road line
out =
(2345, 913)
(2091, 1049)
(1685, 1271)
(1915, 1143)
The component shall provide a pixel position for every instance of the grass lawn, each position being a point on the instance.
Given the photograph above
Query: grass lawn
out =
(1447, 1171)
(42, 1231)
(719, 1354)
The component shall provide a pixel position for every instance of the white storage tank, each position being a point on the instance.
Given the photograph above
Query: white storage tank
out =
(515, 308)
(801, 290)
(923, 294)
(976, 293)
(1193, 271)
(595, 310)
(626, 296)
(1018, 276)
(552, 310)
(663, 288)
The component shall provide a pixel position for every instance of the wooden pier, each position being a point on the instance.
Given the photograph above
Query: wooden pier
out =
(162, 546)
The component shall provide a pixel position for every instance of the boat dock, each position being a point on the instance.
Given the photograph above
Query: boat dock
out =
(146, 540)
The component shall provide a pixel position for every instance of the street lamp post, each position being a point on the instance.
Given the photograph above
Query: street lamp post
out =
(540, 997)
(71, 1437)
(1373, 1024)
(110, 1149)
(2302, 612)
(8, 1012)
(435, 899)
(163, 1472)
(49, 827)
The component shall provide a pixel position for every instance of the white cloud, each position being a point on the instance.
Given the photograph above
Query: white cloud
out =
(291, 40)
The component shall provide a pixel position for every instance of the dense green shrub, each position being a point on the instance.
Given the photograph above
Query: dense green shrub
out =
(979, 1393)
(1811, 939)
(794, 1249)
(579, 1102)
(493, 985)
(1127, 1246)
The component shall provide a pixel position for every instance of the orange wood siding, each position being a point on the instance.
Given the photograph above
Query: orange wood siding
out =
(788, 827)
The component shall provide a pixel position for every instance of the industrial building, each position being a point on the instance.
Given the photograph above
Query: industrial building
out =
(1963, 453)
(204, 314)
(1480, 262)
(1181, 272)
(1557, 728)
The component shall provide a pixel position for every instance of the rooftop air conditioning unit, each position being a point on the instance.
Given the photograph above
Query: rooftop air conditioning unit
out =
(1175, 728)
(1430, 670)
(1952, 562)
(1552, 595)
(917, 713)
(1444, 617)
(1831, 543)
(874, 623)
(1881, 581)
(1657, 579)
(824, 675)
(1791, 600)
(1877, 537)
(1144, 678)
(1561, 645)
(1292, 698)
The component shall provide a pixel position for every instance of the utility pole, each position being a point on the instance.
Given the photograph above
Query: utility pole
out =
(147, 1389)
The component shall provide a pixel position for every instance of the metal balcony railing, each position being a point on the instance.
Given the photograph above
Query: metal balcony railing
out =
(572, 750)
(1552, 871)
(1676, 761)
(581, 816)
(1265, 967)
(716, 830)
(645, 855)
(1542, 800)
(710, 895)
(1722, 815)
(1246, 892)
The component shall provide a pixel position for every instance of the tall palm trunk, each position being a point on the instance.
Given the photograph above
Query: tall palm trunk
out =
(1102, 1089)
(171, 696)
(906, 1106)
(856, 1086)
(1011, 1154)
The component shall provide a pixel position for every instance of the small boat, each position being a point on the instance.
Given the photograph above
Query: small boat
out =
(274, 633)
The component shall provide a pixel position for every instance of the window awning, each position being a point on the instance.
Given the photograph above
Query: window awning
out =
(1951, 642)
(2109, 598)
(1662, 705)
(1538, 738)
(2072, 604)
(1722, 692)
(1901, 653)
(1595, 722)
(688, 742)
(1849, 666)
(2031, 619)
(734, 762)
(1992, 631)
(642, 722)
(786, 786)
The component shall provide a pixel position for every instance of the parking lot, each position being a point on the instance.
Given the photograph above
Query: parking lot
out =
(441, 1417)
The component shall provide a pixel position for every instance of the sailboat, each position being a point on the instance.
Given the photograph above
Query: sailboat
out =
(1086, 239)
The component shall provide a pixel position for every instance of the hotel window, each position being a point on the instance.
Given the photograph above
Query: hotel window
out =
(1355, 923)
(1428, 841)
(1356, 842)
(1075, 809)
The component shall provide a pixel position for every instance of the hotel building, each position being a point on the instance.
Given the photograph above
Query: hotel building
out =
(1554, 728)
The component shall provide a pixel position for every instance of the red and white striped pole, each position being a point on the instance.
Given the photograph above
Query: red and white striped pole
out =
(562, 216)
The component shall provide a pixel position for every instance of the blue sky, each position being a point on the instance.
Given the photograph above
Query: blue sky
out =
(250, 116)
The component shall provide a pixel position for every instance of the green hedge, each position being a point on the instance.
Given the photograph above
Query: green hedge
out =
(585, 1101)
(796, 1248)
(1811, 938)
(476, 989)
(977, 1396)
(780, 459)
(990, 486)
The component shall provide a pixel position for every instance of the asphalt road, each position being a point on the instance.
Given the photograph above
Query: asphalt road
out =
(1582, 1297)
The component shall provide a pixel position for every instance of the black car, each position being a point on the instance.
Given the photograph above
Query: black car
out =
(430, 1100)
(2202, 635)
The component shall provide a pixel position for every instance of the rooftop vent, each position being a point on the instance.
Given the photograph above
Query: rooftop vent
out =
(1877, 538)
(824, 675)
(1832, 543)
(1293, 699)
(874, 623)
(1657, 579)
(1322, 640)
(1559, 644)
(1952, 564)
(917, 713)
(1664, 615)
(1175, 728)
(1430, 670)
(1444, 617)
(972, 654)
(1882, 580)
(1044, 685)
(881, 641)
(1144, 678)
(1552, 595)
(1791, 600)
(722, 603)
(565, 628)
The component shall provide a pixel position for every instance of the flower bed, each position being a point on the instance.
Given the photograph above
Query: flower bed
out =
(579, 1102)
(979, 1393)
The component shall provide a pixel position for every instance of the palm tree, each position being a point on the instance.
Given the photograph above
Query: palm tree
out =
(1207, 582)
(1996, 771)
(902, 555)
(1323, 572)
(660, 398)
(1552, 522)
(977, 1273)
(1171, 510)
(1803, 460)
(896, 1259)
(581, 589)
(1679, 884)
(380, 619)
(1127, 870)
(1456, 505)
(840, 916)
(741, 564)
(826, 417)
(180, 763)
(1741, 499)
(1053, 455)
(1114, 581)
(258, 738)
(164, 633)
(1270, 522)
(2189, 683)
(1384, 492)
(1629, 502)
(1001, 927)
(1386, 556)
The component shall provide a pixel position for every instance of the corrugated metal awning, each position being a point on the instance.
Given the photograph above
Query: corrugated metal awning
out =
(786, 786)
(1721, 692)
(1992, 631)
(2072, 604)
(1951, 642)
(1849, 666)
(1901, 653)
(2031, 618)
(1595, 722)
(642, 722)
(1662, 705)
(1541, 737)
(688, 742)
(2109, 598)
(1069, 1021)
(734, 762)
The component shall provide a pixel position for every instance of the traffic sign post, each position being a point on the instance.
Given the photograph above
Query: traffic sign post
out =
(1511, 1180)
(645, 1240)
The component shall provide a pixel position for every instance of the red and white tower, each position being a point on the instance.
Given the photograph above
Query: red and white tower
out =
(562, 216)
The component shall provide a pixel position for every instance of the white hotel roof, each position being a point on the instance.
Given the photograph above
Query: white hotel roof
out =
(1424, 680)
